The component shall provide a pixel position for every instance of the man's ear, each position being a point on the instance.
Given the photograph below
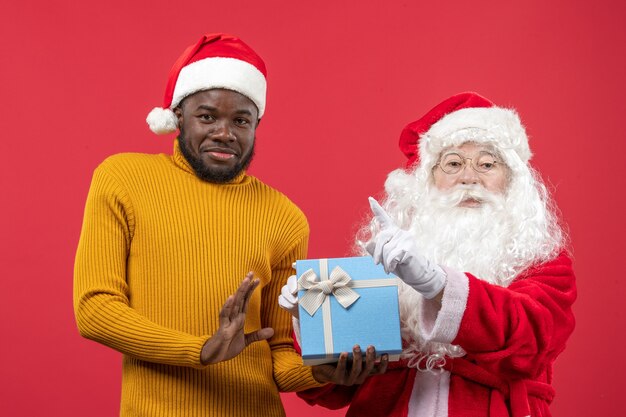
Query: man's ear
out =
(179, 115)
(258, 122)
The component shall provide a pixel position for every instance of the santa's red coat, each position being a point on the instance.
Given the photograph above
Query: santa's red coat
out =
(512, 336)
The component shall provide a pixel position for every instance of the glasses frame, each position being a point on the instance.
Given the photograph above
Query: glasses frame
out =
(464, 159)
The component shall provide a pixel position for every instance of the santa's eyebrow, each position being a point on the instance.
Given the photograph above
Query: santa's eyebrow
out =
(451, 152)
(484, 148)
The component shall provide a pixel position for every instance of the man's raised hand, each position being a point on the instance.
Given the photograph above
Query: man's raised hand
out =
(229, 339)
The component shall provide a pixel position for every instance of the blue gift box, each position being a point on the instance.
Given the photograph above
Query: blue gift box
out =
(369, 315)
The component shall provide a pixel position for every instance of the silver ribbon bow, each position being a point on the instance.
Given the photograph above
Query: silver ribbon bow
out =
(318, 290)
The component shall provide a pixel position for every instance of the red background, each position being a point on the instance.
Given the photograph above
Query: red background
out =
(78, 79)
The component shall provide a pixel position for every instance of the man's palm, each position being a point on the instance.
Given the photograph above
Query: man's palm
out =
(230, 338)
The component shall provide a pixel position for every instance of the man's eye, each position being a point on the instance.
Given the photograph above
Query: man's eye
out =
(453, 164)
(487, 165)
(240, 121)
(206, 117)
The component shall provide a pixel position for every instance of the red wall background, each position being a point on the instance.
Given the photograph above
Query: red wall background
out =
(78, 79)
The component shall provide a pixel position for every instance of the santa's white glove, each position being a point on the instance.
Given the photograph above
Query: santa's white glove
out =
(288, 298)
(395, 249)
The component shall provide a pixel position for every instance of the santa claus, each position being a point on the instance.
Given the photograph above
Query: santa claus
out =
(487, 285)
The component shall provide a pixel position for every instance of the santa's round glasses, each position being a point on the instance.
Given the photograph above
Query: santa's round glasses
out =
(453, 163)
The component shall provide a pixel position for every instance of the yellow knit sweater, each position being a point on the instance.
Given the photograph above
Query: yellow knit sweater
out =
(159, 253)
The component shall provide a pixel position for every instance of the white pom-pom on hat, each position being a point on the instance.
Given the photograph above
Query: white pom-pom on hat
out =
(162, 121)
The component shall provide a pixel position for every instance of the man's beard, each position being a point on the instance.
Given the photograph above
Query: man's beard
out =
(211, 175)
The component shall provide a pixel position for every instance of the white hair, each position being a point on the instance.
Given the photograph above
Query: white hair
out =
(509, 233)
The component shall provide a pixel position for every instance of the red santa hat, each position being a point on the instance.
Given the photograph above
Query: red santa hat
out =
(215, 61)
(462, 118)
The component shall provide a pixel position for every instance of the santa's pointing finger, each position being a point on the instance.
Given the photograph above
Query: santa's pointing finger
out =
(397, 251)
(380, 213)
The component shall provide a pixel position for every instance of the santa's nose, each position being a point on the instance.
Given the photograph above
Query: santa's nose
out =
(468, 175)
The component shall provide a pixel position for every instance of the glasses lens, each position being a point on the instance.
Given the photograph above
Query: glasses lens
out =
(451, 163)
(484, 162)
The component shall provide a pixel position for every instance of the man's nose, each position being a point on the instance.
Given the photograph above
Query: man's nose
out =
(223, 132)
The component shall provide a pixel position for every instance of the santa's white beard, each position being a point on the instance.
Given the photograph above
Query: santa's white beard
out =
(468, 239)
(494, 242)
(471, 239)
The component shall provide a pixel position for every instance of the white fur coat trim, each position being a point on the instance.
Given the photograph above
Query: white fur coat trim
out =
(447, 320)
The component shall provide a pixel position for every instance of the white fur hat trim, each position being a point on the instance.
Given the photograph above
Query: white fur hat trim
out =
(501, 127)
(217, 72)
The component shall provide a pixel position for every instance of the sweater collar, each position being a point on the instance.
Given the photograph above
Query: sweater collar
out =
(182, 163)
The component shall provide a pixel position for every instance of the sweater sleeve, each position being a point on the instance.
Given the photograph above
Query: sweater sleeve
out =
(329, 396)
(517, 331)
(289, 372)
(101, 294)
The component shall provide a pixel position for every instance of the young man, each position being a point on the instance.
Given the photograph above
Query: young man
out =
(488, 285)
(167, 238)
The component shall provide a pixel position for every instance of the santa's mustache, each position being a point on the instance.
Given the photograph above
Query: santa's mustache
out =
(460, 193)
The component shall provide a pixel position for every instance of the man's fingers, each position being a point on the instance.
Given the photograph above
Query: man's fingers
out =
(357, 364)
(226, 310)
(380, 214)
(370, 362)
(259, 335)
(382, 367)
(241, 298)
(341, 365)
(251, 287)
(241, 293)
(370, 358)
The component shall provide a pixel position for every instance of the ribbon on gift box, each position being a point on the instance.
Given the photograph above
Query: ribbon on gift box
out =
(318, 290)
(339, 284)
